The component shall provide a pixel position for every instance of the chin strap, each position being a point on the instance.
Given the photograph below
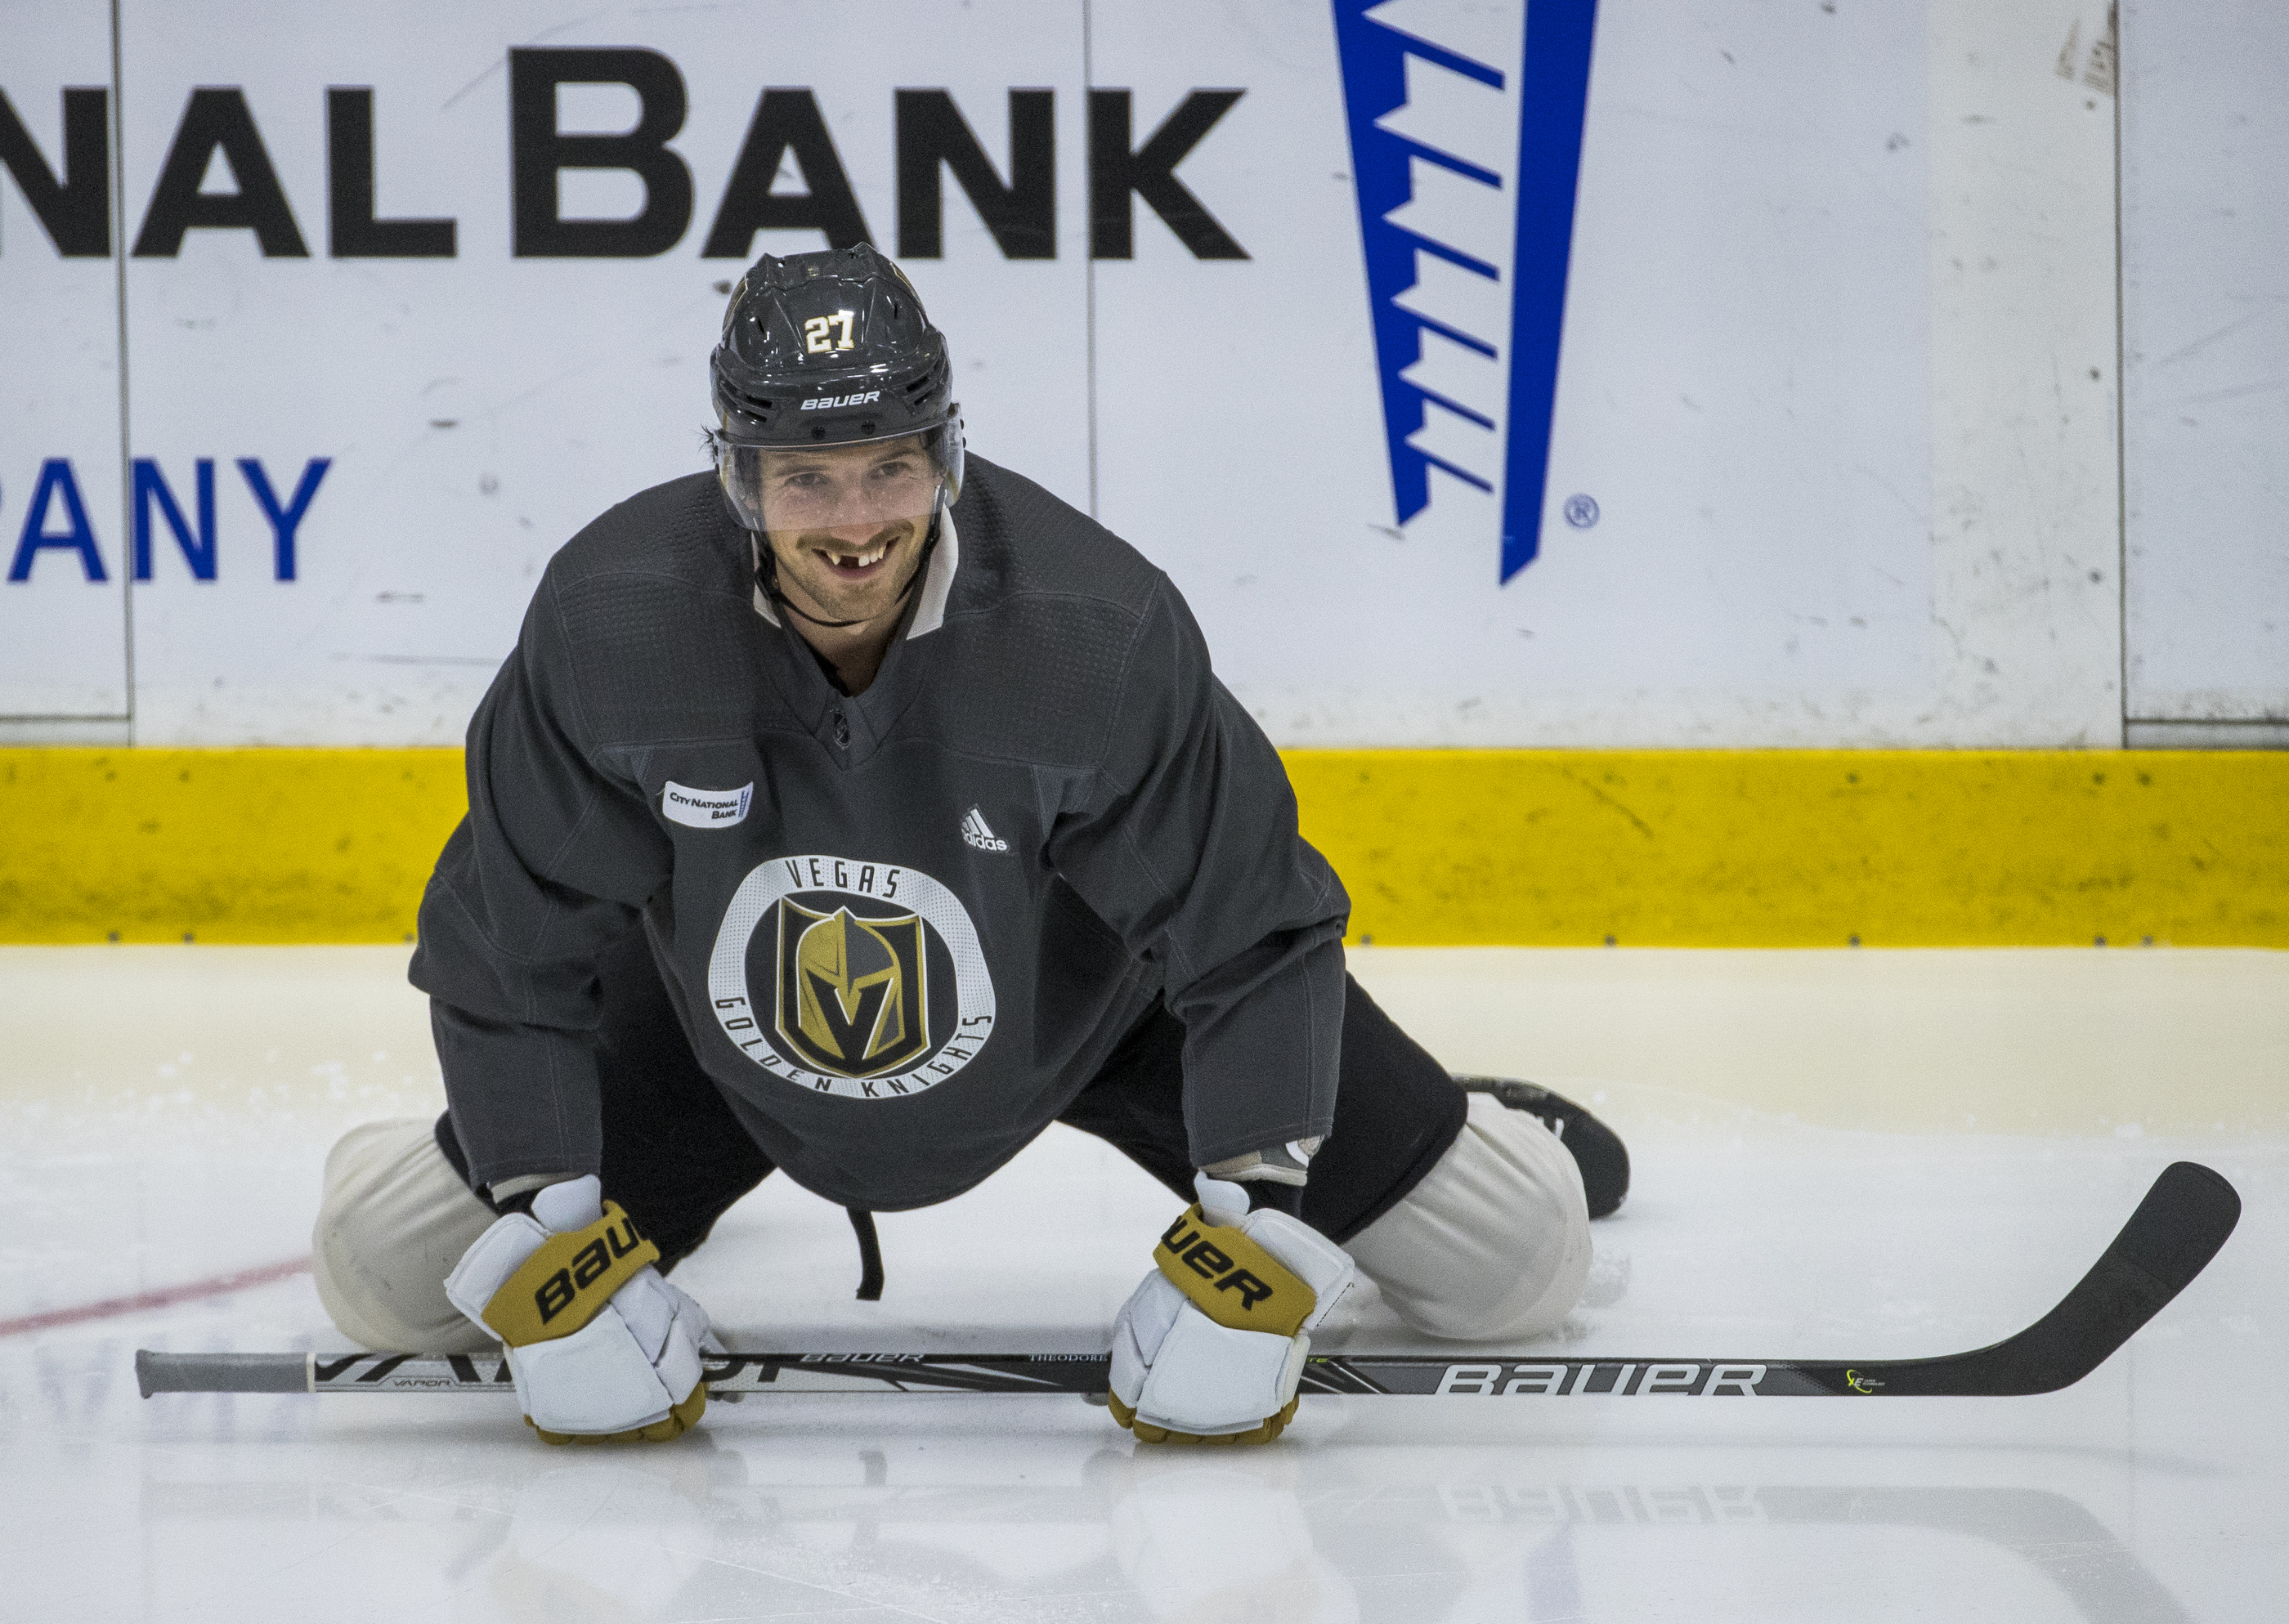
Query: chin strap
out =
(767, 576)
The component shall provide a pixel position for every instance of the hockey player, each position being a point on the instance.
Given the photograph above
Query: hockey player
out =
(858, 810)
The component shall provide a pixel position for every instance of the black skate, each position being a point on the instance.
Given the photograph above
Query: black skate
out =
(1597, 1150)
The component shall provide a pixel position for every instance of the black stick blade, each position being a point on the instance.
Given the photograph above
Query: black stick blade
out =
(2177, 1229)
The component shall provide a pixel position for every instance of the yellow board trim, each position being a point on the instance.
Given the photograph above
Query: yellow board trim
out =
(1538, 847)
(1805, 847)
(276, 845)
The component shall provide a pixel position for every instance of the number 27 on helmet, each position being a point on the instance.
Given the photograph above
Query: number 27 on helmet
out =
(833, 397)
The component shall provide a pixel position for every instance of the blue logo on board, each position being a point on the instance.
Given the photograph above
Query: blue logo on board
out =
(1466, 143)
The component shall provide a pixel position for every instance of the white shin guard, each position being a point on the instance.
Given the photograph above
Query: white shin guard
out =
(1494, 1243)
(393, 1219)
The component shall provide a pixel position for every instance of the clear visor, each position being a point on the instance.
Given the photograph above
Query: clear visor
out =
(856, 493)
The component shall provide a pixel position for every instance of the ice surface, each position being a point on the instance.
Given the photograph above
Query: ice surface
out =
(162, 1114)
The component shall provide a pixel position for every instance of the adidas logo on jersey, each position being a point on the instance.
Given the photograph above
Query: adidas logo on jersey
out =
(979, 834)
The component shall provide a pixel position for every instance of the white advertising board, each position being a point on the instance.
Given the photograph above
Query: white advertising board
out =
(63, 593)
(1719, 447)
(2205, 359)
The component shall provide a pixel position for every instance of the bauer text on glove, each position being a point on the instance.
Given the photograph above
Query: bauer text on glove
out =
(1211, 1346)
(600, 1346)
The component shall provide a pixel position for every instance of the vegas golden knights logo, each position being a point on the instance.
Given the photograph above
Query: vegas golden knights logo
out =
(851, 997)
(850, 978)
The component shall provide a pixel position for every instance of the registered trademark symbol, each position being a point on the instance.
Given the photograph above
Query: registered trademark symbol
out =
(1580, 511)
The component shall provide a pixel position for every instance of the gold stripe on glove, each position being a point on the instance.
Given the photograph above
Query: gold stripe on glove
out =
(1264, 1432)
(566, 1283)
(1232, 1280)
(678, 1421)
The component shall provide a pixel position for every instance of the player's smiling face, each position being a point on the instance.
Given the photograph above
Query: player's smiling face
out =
(847, 523)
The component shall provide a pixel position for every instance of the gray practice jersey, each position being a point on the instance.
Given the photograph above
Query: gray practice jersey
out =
(902, 929)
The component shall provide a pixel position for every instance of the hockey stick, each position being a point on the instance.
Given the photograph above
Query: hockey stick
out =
(2177, 1229)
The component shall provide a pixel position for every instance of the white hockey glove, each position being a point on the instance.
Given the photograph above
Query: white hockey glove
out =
(1210, 1347)
(600, 1348)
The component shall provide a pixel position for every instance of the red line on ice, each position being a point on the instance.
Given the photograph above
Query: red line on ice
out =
(166, 1296)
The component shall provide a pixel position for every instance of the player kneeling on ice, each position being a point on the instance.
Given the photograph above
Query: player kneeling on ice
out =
(856, 809)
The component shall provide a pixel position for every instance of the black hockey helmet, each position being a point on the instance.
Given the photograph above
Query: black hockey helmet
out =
(825, 349)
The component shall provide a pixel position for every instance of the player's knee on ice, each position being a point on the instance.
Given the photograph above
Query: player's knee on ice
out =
(1494, 1243)
(393, 1220)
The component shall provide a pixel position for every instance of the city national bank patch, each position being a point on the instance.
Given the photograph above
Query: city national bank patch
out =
(856, 979)
(680, 803)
